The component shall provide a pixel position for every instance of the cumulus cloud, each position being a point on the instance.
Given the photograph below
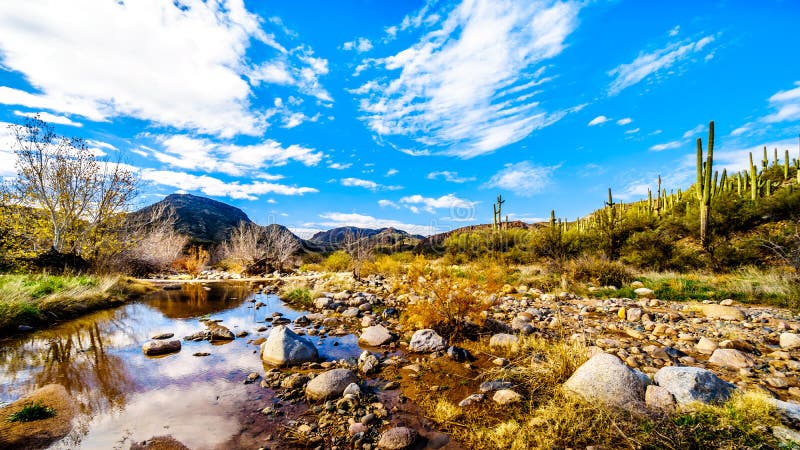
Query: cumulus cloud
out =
(360, 45)
(652, 63)
(468, 86)
(219, 188)
(523, 178)
(180, 64)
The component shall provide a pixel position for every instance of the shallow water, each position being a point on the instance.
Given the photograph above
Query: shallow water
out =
(125, 396)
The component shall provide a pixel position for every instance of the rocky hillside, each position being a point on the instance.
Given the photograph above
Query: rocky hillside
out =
(385, 240)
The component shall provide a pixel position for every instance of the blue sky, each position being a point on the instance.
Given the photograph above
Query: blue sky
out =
(413, 114)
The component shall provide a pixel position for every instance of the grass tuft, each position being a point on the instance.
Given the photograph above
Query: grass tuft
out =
(32, 411)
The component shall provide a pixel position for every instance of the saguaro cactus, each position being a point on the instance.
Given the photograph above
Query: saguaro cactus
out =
(704, 190)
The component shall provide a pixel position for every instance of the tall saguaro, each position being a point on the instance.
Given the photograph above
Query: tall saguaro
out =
(705, 189)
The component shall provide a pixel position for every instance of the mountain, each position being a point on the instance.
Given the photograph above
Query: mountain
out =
(435, 242)
(385, 240)
(204, 220)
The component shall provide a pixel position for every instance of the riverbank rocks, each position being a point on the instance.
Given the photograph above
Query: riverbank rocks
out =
(375, 336)
(790, 341)
(730, 358)
(693, 384)
(605, 378)
(161, 347)
(503, 340)
(721, 312)
(329, 384)
(398, 438)
(425, 341)
(38, 433)
(284, 347)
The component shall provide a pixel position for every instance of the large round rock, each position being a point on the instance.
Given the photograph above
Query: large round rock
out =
(693, 384)
(397, 438)
(38, 433)
(375, 335)
(330, 384)
(161, 347)
(284, 347)
(426, 340)
(607, 379)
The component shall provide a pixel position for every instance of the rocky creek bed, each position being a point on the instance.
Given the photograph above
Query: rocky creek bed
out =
(232, 366)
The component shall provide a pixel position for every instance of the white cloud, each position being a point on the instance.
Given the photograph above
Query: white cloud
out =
(431, 204)
(523, 178)
(219, 188)
(741, 130)
(647, 64)
(452, 177)
(339, 219)
(466, 87)
(388, 203)
(674, 32)
(787, 104)
(360, 45)
(624, 121)
(339, 166)
(177, 64)
(391, 172)
(302, 73)
(598, 120)
(633, 131)
(666, 146)
(694, 132)
(367, 184)
(203, 154)
(51, 118)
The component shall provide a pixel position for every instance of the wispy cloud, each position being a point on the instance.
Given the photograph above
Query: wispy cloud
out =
(367, 184)
(666, 146)
(694, 132)
(51, 118)
(219, 188)
(452, 177)
(391, 172)
(360, 45)
(598, 120)
(431, 204)
(339, 166)
(468, 86)
(787, 104)
(652, 63)
(523, 178)
(624, 121)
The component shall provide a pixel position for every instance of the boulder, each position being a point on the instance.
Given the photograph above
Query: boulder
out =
(426, 340)
(284, 347)
(161, 347)
(330, 384)
(658, 397)
(397, 438)
(503, 340)
(721, 312)
(693, 384)
(644, 292)
(730, 358)
(790, 341)
(605, 378)
(375, 336)
(506, 397)
(706, 346)
(219, 332)
(38, 433)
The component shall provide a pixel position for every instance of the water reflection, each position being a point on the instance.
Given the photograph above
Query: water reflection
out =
(125, 395)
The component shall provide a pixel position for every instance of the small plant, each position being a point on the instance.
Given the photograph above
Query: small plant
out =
(32, 411)
(299, 296)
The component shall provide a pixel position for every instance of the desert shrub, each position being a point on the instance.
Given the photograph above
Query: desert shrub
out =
(298, 296)
(194, 260)
(313, 258)
(600, 271)
(338, 261)
(650, 249)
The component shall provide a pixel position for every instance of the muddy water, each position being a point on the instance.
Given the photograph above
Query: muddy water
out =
(126, 397)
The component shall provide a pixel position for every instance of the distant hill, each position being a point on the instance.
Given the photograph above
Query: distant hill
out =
(435, 242)
(385, 240)
(204, 220)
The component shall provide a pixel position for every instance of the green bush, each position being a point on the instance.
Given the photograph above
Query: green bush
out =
(299, 296)
(600, 271)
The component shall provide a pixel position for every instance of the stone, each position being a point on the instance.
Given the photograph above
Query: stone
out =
(356, 428)
(721, 312)
(730, 358)
(251, 378)
(658, 397)
(159, 443)
(606, 379)
(330, 384)
(294, 381)
(790, 341)
(786, 435)
(351, 312)
(788, 410)
(352, 389)
(727, 302)
(693, 384)
(38, 433)
(472, 399)
(644, 292)
(284, 347)
(506, 397)
(426, 340)
(458, 354)
(634, 314)
(219, 332)
(494, 385)
(162, 336)
(368, 363)
(397, 438)
(375, 336)
(322, 303)
(153, 348)
(503, 340)
(706, 346)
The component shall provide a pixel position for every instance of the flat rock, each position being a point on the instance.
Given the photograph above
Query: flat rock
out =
(605, 378)
(38, 433)
(730, 358)
(284, 347)
(397, 438)
(790, 341)
(330, 384)
(375, 336)
(503, 340)
(721, 312)
(425, 341)
(693, 384)
(163, 336)
(153, 348)
(159, 443)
